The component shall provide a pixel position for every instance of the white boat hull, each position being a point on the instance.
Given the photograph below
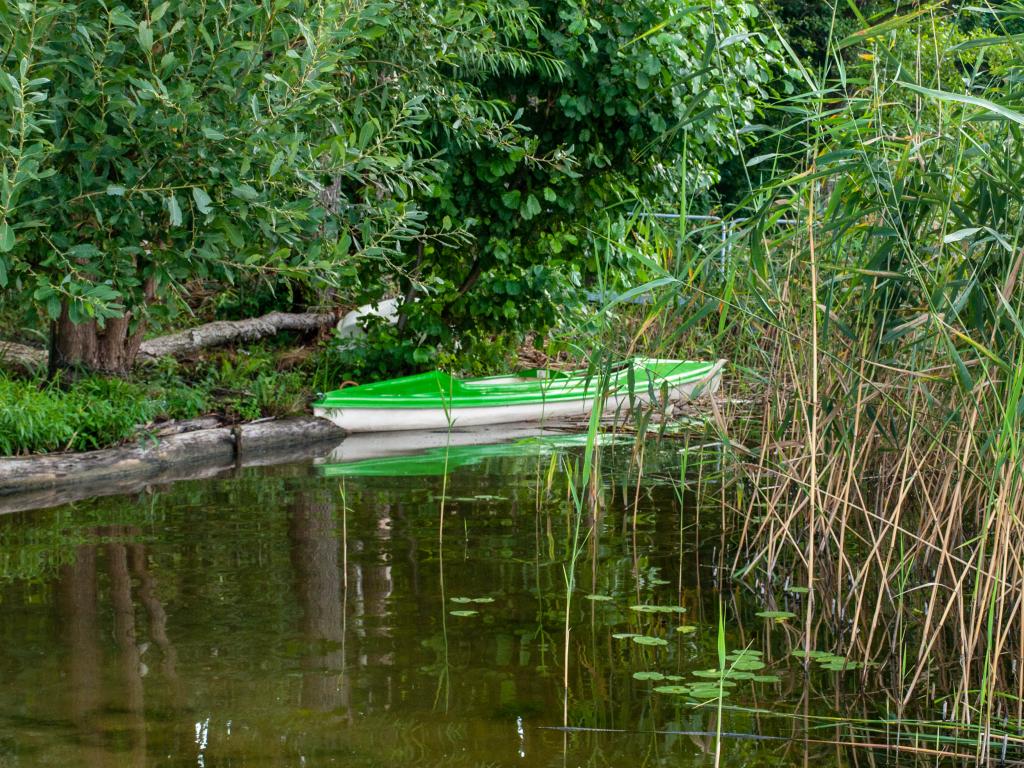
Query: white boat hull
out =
(400, 419)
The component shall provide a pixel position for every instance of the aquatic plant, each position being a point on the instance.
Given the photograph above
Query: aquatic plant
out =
(867, 292)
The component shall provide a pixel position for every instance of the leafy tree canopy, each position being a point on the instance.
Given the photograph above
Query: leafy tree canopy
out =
(460, 152)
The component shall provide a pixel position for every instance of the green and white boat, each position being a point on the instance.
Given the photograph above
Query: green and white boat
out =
(437, 400)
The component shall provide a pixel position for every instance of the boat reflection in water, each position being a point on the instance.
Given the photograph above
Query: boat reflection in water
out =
(427, 453)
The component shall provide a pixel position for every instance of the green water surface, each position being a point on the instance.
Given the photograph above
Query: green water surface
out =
(286, 617)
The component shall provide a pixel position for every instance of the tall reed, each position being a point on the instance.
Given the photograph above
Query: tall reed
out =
(870, 297)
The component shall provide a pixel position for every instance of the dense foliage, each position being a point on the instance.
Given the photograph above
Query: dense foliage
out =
(458, 152)
(145, 147)
(611, 98)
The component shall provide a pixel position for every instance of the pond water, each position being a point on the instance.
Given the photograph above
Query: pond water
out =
(393, 615)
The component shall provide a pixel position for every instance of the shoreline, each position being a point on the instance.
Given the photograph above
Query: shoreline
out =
(47, 480)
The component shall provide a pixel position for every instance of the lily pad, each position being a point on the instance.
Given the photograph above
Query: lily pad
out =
(686, 629)
(713, 674)
(658, 608)
(676, 690)
(463, 613)
(816, 655)
(777, 615)
(648, 676)
(624, 635)
(599, 598)
(766, 678)
(705, 693)
(646, 640)
(748, 665)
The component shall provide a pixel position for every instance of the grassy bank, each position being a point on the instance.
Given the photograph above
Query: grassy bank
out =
(98, 412)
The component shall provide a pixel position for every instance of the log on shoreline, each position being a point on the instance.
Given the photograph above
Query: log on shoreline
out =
(224, 332)
(19, 357)
(50, 480)
(190, 341)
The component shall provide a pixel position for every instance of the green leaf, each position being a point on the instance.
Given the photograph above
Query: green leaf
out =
(145, 35)
(202, 200)
(645, 640)
(115, 190)
(966, 98)
(245, 192)
(511, 198)
(777, 615)
(658, 608)
(961, 234)
(530, 208)
(53, 307)
(463, 613)
(6, 237)
(174, 209)
(159, 11)
(648, 676)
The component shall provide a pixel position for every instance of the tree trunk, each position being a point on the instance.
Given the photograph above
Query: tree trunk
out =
(86, 346)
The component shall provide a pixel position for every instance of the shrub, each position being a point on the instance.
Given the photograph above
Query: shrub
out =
(92, 413)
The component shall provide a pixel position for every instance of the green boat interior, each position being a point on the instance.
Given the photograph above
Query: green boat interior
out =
(437, 389)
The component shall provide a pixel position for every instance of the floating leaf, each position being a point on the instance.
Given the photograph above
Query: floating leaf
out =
(599, 598)
(704, 693)
(686, 629)
(483, 599)
(463, 613)
(624, 635)
(709, 673)
(776, 615)
(648, 676)
(675, 690)
(645, 640)
(765, 678)
(658, 608)
(733, 674)
(818, 655)
(748, 665)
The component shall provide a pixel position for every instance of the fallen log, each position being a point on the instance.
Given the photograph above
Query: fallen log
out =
(49, 480)
(19, 357)
(190, 341)
(223, 332)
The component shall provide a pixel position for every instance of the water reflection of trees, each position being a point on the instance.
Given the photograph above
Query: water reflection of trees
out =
(92, 695)
(342, 588)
